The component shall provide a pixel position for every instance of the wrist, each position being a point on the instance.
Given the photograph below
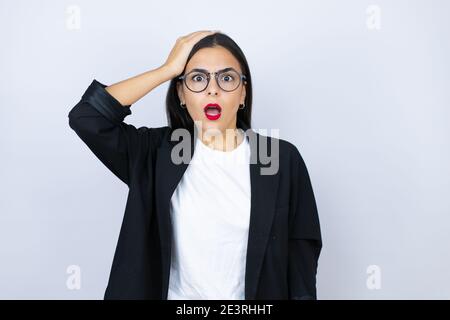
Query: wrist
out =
(167, 71)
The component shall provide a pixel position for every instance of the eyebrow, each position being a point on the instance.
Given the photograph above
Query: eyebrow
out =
(206, 71)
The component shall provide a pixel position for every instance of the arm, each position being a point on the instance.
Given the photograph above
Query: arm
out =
(98, 117)
(128, 91)
(98, 120)
(305, 240)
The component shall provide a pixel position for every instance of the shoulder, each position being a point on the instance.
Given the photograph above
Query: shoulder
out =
(287, 151)
(154, 135)
(290, 154)
(291, 161)
(157, 134)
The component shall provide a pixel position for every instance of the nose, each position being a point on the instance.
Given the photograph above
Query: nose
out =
(213, 88)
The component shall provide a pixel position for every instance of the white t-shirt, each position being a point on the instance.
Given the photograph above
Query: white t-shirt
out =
(210, 214)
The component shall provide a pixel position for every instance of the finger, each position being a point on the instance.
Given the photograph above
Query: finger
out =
(198, 37)
(200, 34)
(190, 35)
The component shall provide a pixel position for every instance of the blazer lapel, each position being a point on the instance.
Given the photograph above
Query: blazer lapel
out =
(167, 176)
(263, 192)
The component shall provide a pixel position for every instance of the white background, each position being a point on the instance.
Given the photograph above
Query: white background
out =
(367, 108)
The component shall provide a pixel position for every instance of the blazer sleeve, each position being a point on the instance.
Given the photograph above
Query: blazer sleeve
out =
(98, 120)
(305, 242)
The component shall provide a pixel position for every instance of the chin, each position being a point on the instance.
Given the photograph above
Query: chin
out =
(206, 125)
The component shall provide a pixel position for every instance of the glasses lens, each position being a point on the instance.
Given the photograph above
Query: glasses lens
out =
(229, 80)
(196, 81)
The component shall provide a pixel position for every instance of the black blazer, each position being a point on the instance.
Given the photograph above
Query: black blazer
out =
(284, 241)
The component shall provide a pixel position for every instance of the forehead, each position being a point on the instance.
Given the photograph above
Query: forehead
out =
(213, 59)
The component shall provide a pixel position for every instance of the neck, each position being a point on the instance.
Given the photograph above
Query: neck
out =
(223, 140)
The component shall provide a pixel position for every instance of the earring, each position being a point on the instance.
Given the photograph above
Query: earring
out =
(243, 106)
(182, 104)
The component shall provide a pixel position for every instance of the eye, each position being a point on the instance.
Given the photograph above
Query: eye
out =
(198, 77)
(227, 77)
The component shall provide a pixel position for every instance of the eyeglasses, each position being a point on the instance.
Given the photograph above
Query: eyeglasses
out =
(227, 79)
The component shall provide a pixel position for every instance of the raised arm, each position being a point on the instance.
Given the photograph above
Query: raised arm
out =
(128, 91)
(98, 118)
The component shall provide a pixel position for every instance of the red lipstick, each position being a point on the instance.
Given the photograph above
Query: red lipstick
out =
(212, 111)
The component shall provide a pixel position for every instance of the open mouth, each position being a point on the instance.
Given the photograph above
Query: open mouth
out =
(212, 111)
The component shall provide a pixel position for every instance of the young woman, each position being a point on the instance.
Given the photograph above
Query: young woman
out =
(217, 226)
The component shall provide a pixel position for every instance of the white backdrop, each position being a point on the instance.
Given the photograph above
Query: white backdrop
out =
(360, 87)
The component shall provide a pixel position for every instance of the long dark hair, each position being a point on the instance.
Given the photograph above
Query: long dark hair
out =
(178, 117)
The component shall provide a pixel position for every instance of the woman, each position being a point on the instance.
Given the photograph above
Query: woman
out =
(203, 220)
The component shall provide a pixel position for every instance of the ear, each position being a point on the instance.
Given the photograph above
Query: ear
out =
(244, 92)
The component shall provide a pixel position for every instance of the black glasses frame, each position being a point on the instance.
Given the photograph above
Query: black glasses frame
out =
(216, 76)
